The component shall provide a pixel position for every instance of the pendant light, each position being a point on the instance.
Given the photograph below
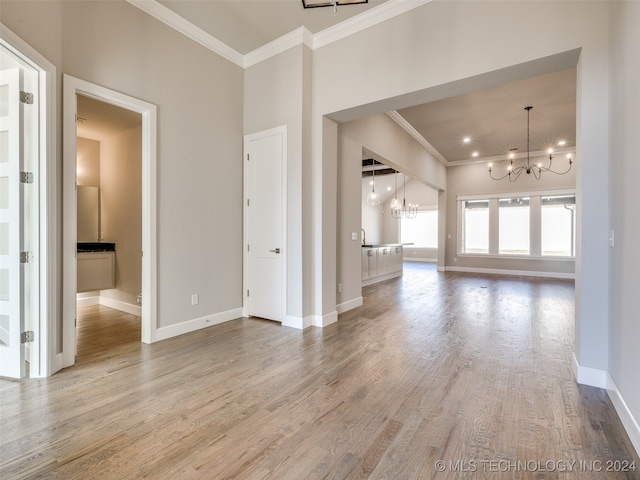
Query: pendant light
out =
(373, 198)
(407, 211)
(395, 203)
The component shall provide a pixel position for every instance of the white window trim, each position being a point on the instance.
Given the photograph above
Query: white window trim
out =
(534, 219)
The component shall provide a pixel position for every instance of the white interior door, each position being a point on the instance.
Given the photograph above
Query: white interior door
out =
(11, 226)
(265, 216)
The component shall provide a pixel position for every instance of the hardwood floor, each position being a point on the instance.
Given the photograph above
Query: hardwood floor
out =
(470, 370)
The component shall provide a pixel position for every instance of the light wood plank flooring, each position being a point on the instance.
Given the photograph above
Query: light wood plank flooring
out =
(471, 370)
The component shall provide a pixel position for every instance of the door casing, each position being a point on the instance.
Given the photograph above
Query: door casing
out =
(71, 88)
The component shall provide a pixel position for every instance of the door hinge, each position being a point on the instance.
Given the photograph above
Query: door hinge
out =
(26, 177)
(26, 257)
(247, 293)
(248, 157)
(26, 97)
(248, 248)
(248, 202)
(26, 337)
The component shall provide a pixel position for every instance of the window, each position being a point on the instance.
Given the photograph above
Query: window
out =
(513, 221)
(475, 226)
(422, 231)
(558, 225)
(525, 225)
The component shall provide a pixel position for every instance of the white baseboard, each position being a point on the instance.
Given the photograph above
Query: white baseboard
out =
(589, 376)
(88, 301)
(381, 278)
(442, 269)
(325, 320)
(629, 422)
(349, 305)
(163, 333)
(601, 379)
(122, 306)
(111, 303)
(519, 273)
(296, 322)
(418, 259)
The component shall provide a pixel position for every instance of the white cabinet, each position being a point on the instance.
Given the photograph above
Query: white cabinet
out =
(96, 271)
(381, 263)
(369, 263)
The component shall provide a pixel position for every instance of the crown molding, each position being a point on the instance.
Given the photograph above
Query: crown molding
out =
(299, 36)
(175, 21)
(407, 127)
(364, 20)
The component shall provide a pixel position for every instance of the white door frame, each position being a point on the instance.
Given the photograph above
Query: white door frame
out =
(49, 357)
(71, 87)
(281, 130)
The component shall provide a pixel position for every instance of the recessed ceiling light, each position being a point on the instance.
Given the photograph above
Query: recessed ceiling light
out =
(474, 154)
(371, 182)
(388, 189)
(562, 143)
(466, 139)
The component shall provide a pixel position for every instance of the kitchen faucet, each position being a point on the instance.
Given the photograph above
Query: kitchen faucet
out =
(364, 237)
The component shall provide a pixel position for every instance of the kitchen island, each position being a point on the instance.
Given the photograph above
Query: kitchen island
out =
(381, 262)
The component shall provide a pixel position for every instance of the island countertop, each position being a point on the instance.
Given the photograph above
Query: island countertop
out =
(383, 245)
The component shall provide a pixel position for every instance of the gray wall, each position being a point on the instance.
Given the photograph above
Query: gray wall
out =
(624, 355)
(474, 180)
(389, 143)
(121, 209)
(444, 48)
(199, 97)
(277, 93)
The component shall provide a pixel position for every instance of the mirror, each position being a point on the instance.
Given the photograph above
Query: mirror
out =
(88, 213)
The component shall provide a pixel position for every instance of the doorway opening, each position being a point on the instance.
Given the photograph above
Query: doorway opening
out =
(135, 280)
(109, 207)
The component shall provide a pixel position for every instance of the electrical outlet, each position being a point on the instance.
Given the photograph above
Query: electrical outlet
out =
(339, 288)
(194, 299)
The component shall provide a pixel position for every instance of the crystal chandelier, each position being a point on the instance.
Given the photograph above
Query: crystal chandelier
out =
(514, 171)
(402, 210)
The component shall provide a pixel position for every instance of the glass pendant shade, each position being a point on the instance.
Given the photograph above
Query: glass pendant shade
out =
(373, 198)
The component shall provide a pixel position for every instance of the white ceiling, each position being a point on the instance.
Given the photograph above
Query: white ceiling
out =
(245, 25)
(494, 118)
(98, 120)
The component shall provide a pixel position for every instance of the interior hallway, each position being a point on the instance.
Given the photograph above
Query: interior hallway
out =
(462, 368)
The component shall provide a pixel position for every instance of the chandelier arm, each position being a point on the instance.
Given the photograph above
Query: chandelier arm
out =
(549, 169)
(498, 178)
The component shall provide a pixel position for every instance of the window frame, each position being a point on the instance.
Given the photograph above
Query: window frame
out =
(423, 209)
(535, 222)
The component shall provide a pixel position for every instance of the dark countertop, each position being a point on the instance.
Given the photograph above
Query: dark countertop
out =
(96, 247)
(382, 245)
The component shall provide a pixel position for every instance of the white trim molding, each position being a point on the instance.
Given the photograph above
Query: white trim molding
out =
(299, 36)
(188, 29)
(364, 20)
(325, 320)
(349, 305)
(176, 329)
(594, 377)
(407, 127)
(518, 273)
(48, 329)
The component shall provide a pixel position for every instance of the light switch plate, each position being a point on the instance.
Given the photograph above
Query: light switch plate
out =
(354, 235)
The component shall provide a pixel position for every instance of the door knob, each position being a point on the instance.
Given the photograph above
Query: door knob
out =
(277, 250)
